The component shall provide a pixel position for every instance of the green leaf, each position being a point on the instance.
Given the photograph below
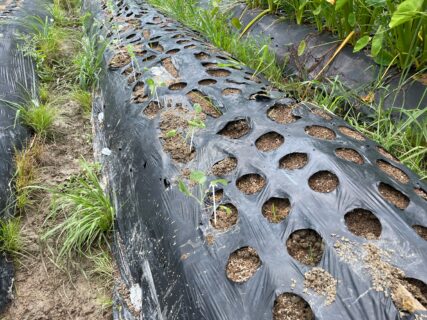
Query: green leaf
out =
(236, 23)
(361, 43)
(406, 11)
(197, 123)
(183, 188)
(171, 134)
(317, 11)
(198, 108)
(384, 58)
(301, 48)
(198, 176)
(377, 42)
(226, 209)
(339, 4)
(216, 182)
(351, 19)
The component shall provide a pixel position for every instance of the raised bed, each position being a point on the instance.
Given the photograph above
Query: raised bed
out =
(320, 221)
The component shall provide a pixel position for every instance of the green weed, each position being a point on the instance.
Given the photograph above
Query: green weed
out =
(103, 267)
(83, 98)
(10, 236)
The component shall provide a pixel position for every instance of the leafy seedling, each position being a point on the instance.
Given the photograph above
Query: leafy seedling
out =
(153, 85)
(134, 60)
(196, 123)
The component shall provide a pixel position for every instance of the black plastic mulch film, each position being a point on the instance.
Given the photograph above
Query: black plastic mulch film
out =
(174, 263)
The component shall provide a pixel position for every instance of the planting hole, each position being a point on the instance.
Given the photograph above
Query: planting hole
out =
(393, 196)
(219, 194)
(120, 59)
(169, 66)
(156, 46)
(218, 72)
(387, 154)
(322, 113)
(178, 86)
(392, 171)
(320, 132)
(351, 133)
(289, 306)
(323, 181)
(305, 246)
(276, 209)
(209, 64)
(417, 288)
(349, 155)
(224, 167)
(235, 129)
(139, 93)
(363, 223)
(231, 91)
(201, 56)
(207, 82)
(421, 231)
(293, 161)
(226, 217)
(183, 41)
(205, 103)
(242, 264)
(250, 183)
(269, 141)
(152, 110)
(421, 193)
(146, 34)
(173, 51)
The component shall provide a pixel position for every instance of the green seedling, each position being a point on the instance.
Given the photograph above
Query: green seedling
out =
(134, 60)
(153, 85)
(171, 133)
(273, 211)
(196, 123)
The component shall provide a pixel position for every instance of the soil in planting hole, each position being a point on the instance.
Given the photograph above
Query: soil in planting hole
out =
(156, 46)
(218, 72)
(387, 154)
(294, 161)
(289, 306)
(120, 59)
(269, 141)
(363, 223)
(178, 149)
(421, 231)
(209, 64)
(349, 155)
(417, 288)
(305, 246)
(231, 91)
(226, 217)
(170, 67)
(392, 171)
(139, 95)
(276, 209)
(207, 82)
(219, 194)
(146, 34)
(152, 110)
(421, 193)
(250, 183)
(242, 264)
(393, 196)
(322, 283)
(178, 86)
(205, 103)
(201, 56)
(224, 167)
(321, 113)
(282, 114)
(323, 181)
(351, 133)
(235, 129)
(173, 51)
(320, 132)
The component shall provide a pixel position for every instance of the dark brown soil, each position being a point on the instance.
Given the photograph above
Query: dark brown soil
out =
(152, 110)
(421, 231)
(178, 149)
(321, 113)
(156, 46)
(183, 41)
(250, 183)
(132, 76)
(178, 86)
(146, 34)
(305, 246)
(207, 82)
(320, 132)
(173, 51)
(322, 283)
(209, 64)
(231, 91)
(351, 133)
(421, 193)
(269, 141)
(276, 209)
(139, 95)
(417, 288)
(170, 67)
(135, 23)
(242, 264)
(393, 196)
(219, 194)
(349, 155)
(205, 103)
(289, 306)
(235, 129)
(224, 166)
(323, 181)
(218, 72)
(120, 59)
(281, 114)
(202, 56)
(224, 220)
(387, 154)
(293, 161)
(392, 171)
(363, 223)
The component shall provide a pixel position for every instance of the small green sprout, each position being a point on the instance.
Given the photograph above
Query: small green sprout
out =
(171, 133)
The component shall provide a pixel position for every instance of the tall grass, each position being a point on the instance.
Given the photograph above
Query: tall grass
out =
(10, 236)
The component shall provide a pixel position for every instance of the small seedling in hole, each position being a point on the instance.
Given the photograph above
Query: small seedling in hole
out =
(274, 211)
(200, 179)
(153, 85)
(171, 133)
(311, 253)
(196, 123)
(134, 61)
(231, 64)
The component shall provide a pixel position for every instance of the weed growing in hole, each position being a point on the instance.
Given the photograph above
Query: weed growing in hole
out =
(87, 211)
(134, 60)
(153, 85)
(10, 236)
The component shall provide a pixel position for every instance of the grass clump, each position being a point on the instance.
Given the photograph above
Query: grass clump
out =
(86, 211)
(83, 98)
(10, 236)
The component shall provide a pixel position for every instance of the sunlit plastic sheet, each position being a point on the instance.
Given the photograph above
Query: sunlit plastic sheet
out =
(168, 268)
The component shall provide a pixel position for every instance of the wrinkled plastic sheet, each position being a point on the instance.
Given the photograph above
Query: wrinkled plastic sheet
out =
(168, 269)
